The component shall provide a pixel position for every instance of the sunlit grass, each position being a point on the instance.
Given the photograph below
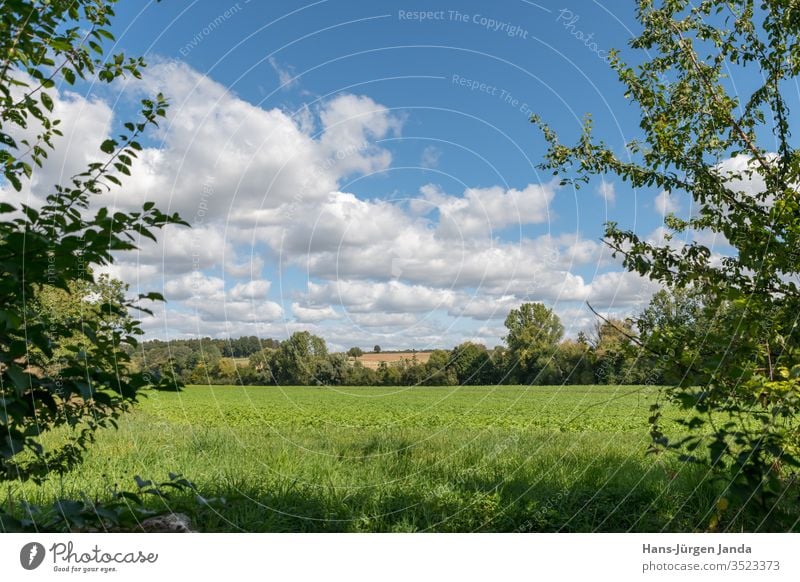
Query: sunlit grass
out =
(506, 458)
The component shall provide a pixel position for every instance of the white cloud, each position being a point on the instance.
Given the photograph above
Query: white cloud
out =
(576, 319)
(390, 297)
(665, 203)
(286, 76)
(311, 314)
(206, 295)
(607, 191)
(255, 289)
(482, 211)
(85, 123)
(621, 289)
(347, 238)
(238, 311)
(222, 158)
(430, 157)
(742, 175)
(193, 285)
(483, 308)
(384, 320)
(350, 124)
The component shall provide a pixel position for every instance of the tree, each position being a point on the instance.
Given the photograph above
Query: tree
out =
(359, 375)
(331, 370)
(502, 366)
(58, 245)
(298, 357)
(242, 347)
(573, 363)
(80, 304)
(389, 375)
(534, 331)
(264, 364)
(355, 352)
(438, 370)
(225, 371)
(377, 349)
(411, 373)
(673, 326)
(472, 364)
(733, 156)
(615, 356)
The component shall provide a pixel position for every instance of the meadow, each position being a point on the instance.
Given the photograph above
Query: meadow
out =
(495, 458)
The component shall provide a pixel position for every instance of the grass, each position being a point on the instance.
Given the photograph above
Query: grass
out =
(508, 458)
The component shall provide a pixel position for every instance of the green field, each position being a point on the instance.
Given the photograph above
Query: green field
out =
(509, 458)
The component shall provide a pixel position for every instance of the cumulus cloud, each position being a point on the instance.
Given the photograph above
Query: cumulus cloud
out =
(264, 187)
(482, 211)
(256, 289)
(621, 289)
(193, 285)
(225, 158)
(207, 296)
(665, 203)
(389, 297)
(311, 314)
(351, 124)
(742, 174)
(484, 308)
(384, 320)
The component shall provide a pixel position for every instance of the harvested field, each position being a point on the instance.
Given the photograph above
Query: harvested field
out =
(373, 360)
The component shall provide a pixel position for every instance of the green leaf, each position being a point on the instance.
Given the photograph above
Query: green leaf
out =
(47, 101)
(108, 146)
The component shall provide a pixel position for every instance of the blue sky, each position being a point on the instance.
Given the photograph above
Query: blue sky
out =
(367, 170)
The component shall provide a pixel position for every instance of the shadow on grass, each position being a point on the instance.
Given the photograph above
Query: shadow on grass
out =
(630, 498)
(404, 483)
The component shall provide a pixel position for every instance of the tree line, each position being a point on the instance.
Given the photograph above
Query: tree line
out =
(535, 352)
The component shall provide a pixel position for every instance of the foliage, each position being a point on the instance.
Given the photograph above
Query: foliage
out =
(534, 331)
(733, 156)
(575, 363)
(244, 346)
(80, 304)
(615, 355)
(57, 245)
(472, 364)
(297, 358)
(674, 325)
(331, 370)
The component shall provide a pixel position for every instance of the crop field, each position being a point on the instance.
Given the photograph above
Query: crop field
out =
(373, 360)
(508, 458)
